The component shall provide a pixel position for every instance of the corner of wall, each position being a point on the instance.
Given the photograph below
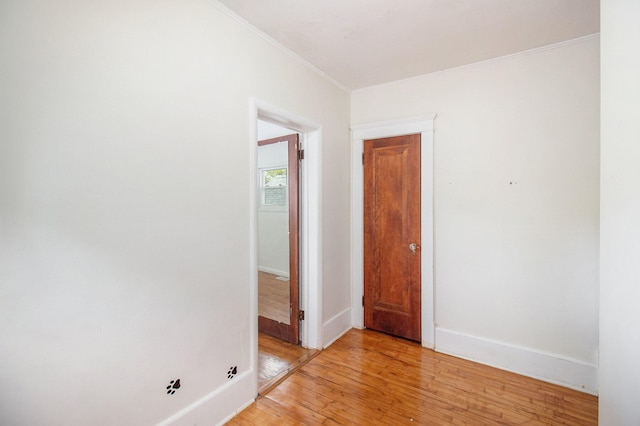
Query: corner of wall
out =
(335, 327)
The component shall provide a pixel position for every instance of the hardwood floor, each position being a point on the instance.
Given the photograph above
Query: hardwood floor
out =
(276, 359)
(273, 297)
(368, 378)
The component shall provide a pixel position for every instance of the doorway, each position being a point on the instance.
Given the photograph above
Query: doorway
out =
(278, 233)
(278, 178)
(310, 237)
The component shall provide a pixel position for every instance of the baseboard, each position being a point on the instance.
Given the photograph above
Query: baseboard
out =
(217, 407)
(548, 367)
(333, 329)
(236, 412)
(273, 271)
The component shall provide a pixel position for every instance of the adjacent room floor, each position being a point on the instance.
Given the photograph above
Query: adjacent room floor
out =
(277, 359)
(273, 297)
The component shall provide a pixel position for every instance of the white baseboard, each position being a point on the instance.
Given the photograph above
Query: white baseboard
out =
(273, 271)
(548, 367)
(236, 412)
(333, 329)
(217, 407)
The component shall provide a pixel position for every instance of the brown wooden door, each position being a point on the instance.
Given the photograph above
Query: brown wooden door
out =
(290, 330)
(392, 236)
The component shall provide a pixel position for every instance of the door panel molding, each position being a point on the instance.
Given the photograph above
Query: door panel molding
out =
(412, 125)
(392, 296)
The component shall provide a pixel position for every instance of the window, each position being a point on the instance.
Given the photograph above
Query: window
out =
(273, 187)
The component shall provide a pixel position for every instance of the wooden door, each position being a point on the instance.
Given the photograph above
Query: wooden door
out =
(290, 330)
(392, 236)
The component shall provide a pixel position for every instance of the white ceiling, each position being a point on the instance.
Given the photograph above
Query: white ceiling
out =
(268, 130)
(360, 43)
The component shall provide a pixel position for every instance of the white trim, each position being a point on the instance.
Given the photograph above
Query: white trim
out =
(336, 327)
(551, 368)
(214, 408)
(487, 61)
(402, 126)
(236, 412)
(230, 13)
(310, 222)
(412, 125)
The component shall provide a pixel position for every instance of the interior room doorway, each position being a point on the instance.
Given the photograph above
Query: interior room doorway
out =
(310, 235)
(279, 155)
(278, 232)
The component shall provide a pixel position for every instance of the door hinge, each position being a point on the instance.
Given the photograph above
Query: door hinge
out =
(363, 158)
(300, 315)
(362, 300)
(300, 154)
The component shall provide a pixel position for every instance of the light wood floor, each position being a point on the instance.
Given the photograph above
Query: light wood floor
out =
(277, 359)
(273, 297)
(368, 378)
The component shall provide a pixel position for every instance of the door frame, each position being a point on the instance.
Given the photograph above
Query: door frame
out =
(424, 126)
(310, 219)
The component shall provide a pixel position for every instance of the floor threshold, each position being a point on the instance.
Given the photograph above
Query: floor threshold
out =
(269, 385)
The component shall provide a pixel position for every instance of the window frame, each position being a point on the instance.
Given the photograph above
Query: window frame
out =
(262, 187)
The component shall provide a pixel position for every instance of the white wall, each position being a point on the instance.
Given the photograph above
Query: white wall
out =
(124, 207)
(273, 223)
(516, 205)
(620, 210)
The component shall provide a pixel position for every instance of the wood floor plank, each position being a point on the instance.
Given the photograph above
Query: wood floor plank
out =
(273, 297)
(276, 359)
(368, 378)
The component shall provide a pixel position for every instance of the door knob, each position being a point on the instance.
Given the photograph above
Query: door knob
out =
(413, 247)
